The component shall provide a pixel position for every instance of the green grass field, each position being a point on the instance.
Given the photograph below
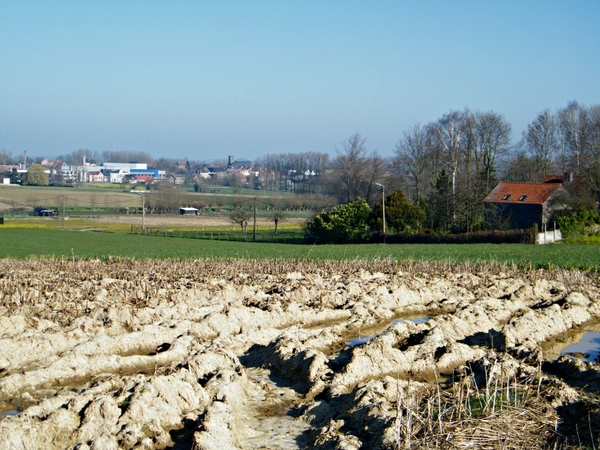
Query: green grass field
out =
(24, 243)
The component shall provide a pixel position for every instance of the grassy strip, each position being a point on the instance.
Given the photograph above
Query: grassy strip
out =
(595, 239)
(50, 223)
(24, 243)
(286, 233)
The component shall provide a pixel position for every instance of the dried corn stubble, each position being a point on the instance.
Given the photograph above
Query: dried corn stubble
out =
(112, 332)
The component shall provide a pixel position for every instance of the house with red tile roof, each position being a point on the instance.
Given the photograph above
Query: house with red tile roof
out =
(521, 205)
(144, 179)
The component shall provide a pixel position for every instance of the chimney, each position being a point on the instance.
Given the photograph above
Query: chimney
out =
(230, 160)
(23, 165)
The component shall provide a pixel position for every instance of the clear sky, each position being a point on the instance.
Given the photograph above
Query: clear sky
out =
(206, 79)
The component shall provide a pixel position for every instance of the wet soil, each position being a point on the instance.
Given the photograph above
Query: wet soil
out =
(233, 354)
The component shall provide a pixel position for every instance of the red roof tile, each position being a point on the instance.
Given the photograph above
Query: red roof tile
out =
(144, 177)
(531, 193)
(554, 179)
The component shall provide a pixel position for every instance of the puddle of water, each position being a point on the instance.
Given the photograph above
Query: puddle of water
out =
(417, 320)
(360, 340)
(587, 349)
(12, 412)
(582, 343)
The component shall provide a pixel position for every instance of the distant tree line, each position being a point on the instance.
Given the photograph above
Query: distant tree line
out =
(444, 168)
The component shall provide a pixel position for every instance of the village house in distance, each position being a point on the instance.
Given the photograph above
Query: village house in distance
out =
(130, 173)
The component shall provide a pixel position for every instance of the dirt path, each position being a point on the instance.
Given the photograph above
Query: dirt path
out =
(246, 354)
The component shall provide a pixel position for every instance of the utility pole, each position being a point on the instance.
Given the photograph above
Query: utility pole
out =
(63, 212)
(254, 227)
(143, 213)
(382, 206)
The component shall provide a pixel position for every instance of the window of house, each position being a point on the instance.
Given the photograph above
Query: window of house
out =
(506, 197)
(522, 198)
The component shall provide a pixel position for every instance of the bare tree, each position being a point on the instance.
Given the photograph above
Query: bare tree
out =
(541, 141)
(276, 217)
(76, 157)
(447, 138)
(492, 142)
(412, 155)
(299, 171)
(375, 172)
(356, 171)
(127, 156)
(164, 198)
(590, 161)
(520, 167)
(241, 216)
(317, 164)
(497, 216)
(6, 156)
(350, 167)
(468, 131)
(572, 126)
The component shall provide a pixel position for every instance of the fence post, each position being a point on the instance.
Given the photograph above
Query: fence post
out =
(545, 231)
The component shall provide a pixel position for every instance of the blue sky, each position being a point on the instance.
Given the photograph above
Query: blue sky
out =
(206, 79)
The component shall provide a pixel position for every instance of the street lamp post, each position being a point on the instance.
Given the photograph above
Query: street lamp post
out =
(382, 203)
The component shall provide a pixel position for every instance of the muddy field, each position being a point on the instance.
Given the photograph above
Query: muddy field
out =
(279, 354)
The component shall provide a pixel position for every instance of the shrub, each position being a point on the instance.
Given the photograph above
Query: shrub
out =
(576, 224)
(477, 237)
(401, 215)
(344, 223)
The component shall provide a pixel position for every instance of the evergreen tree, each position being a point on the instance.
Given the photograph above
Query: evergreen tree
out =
(439, 214)
(401, 216)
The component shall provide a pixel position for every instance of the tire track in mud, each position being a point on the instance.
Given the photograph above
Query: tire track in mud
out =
(274, 413)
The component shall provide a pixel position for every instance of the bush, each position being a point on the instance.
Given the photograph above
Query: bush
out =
(343, 224)
(578, 223)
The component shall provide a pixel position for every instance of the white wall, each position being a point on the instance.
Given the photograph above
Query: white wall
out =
(548, 237)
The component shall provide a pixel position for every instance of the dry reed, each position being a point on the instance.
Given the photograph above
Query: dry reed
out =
(498, 408)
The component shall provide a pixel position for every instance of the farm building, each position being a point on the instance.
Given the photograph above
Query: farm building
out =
(177, 179)
(40, 211)
(154, 173)
(521, 205)
(188, 211)
(143, 179)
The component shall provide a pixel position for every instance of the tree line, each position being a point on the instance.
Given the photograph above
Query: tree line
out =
(448, 166)
(445, 167)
